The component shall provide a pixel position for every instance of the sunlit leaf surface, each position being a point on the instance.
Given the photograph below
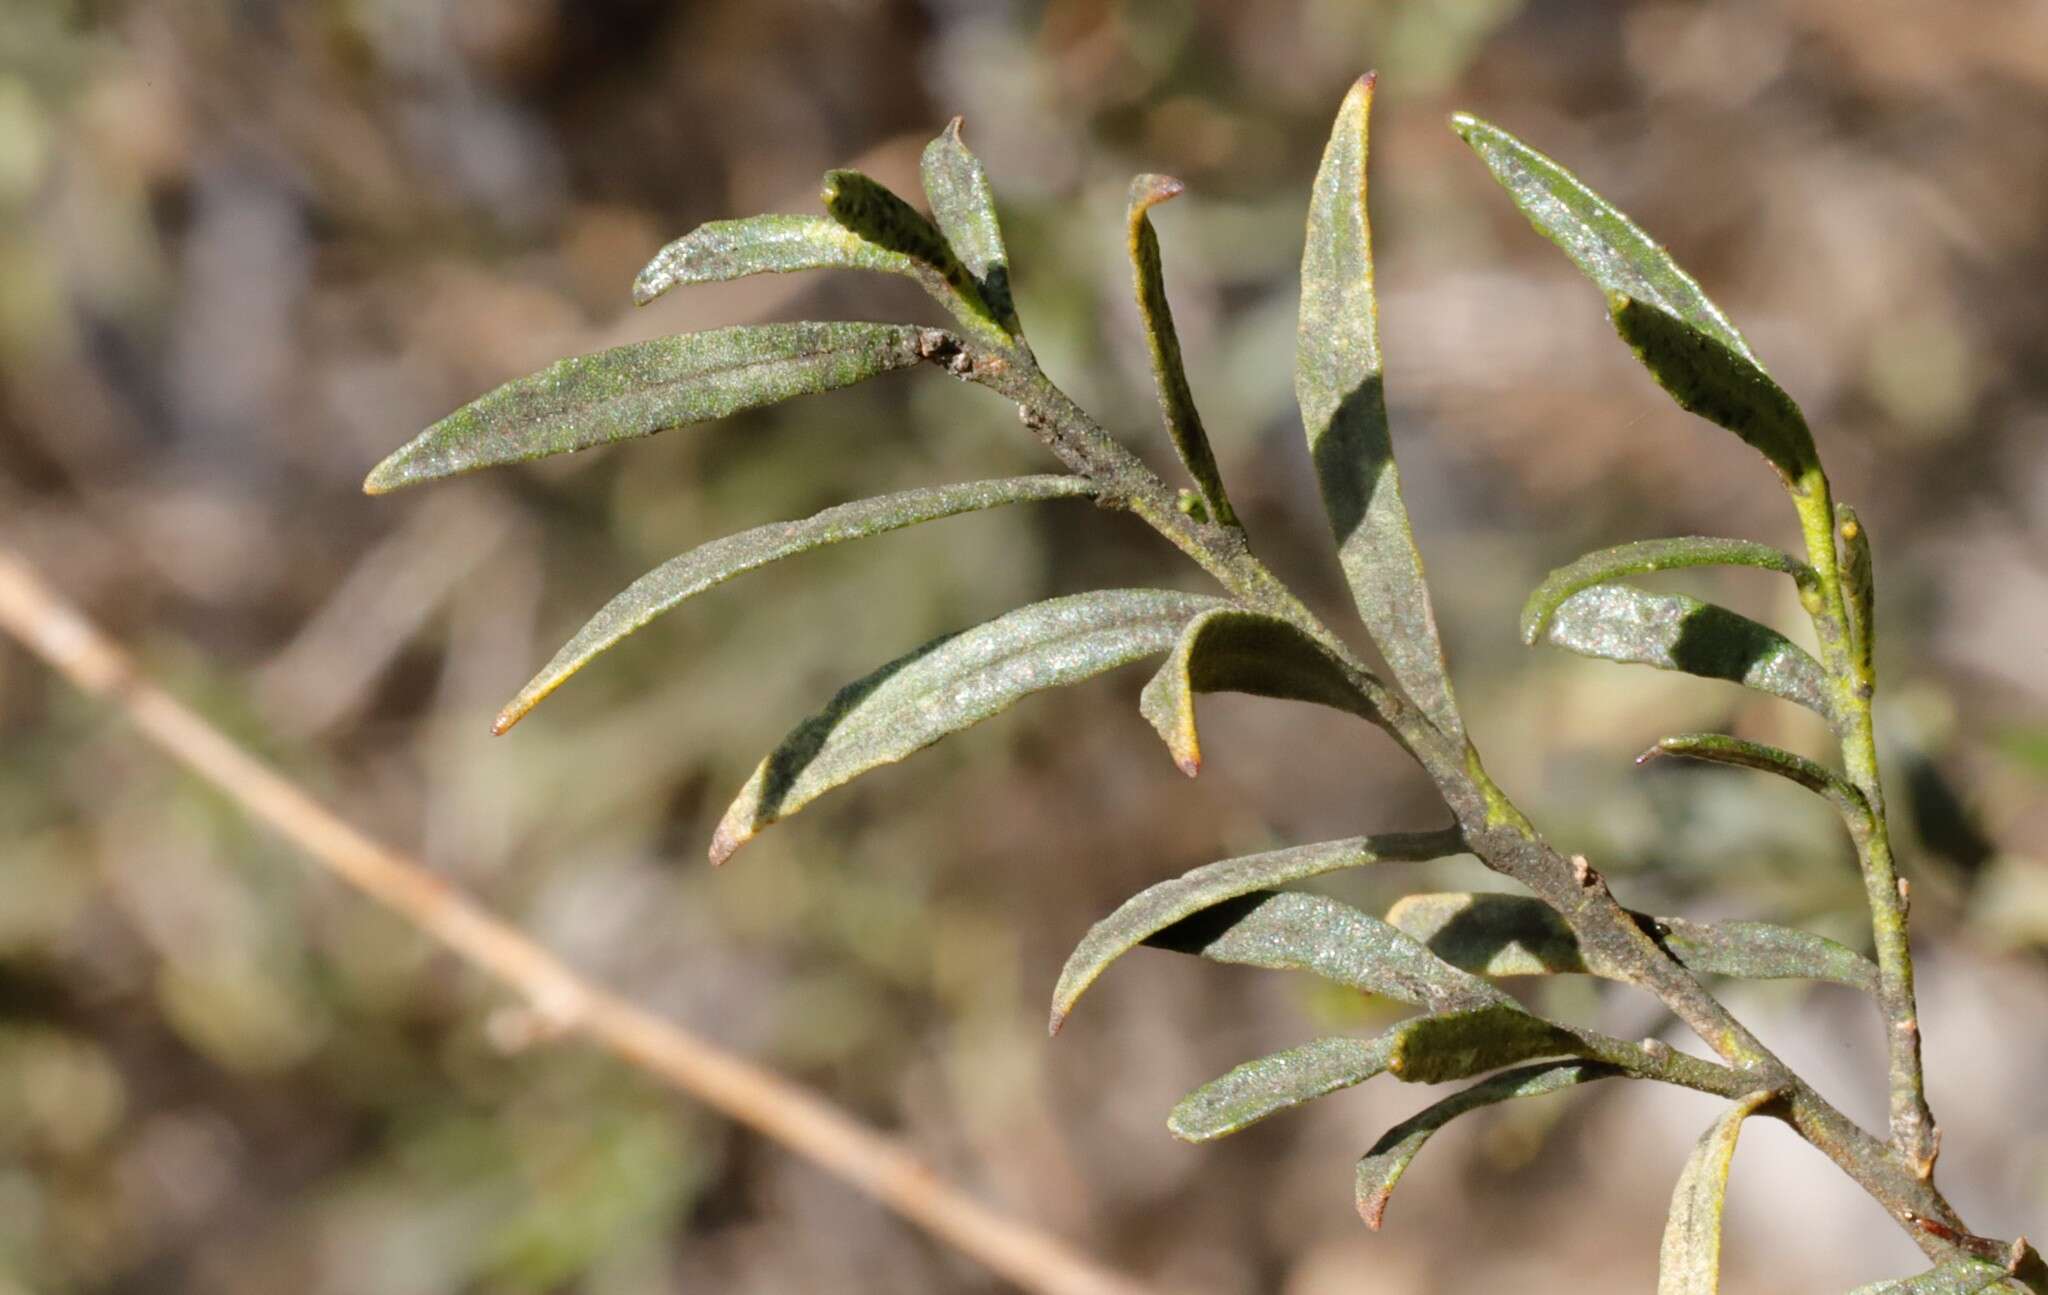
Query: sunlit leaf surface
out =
(1689, 1262)
(950, 684)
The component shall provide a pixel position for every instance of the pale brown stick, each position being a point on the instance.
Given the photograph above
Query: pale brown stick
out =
(561, 1000)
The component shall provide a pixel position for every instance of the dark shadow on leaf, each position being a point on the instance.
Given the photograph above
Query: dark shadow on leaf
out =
(1477, 934)
(1716, 643)
(796, 752)
(1351, 456)
(1198, 931)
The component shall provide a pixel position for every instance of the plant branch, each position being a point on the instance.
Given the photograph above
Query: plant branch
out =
(560, 1001)
(1494, 829)
(1914, 1134)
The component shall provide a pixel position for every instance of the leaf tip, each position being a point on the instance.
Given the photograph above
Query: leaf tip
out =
(1053, 1022)
(952, 131)
(505, 720)
(1372, 1207)
(1149, 190)
(385, 477)
(727, 840)
(1463, 124)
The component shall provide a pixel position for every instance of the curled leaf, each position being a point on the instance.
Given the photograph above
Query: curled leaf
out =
(1719, 748)
(1618, 622)
(775, 244)
(965, 209)
(712, 564)
(647, 387)
(1288, 931)
(1518, 935)
(1154, 909)
(1644, 556)
(1427, 1049)
(1176, 398)
(949, 684)
(1234, 650)
(1690, 1260)
(870, 210)
(1382, 1167)
(1338, 384)
(1706, 377)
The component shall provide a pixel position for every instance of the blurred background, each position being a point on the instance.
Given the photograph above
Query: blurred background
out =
(250, 246)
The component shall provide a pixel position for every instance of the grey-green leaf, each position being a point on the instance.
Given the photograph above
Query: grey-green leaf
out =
(1644, 556)
(1157, 907)
(1706, 377)
(774, 244)
(1719, 748)
(1234, 650)
(1382, 1167)
(1338, 384)
(1426, 1050)
(1690, 1260)
(1288, 931)
(1176, 398)
(1605, 244)
(647, 387)
(965, 209)
(1256, 1089)
(712, 564)
(949, 684)
(1956, 1277)
(870, 210)
(1518, 935)
(1619, 622)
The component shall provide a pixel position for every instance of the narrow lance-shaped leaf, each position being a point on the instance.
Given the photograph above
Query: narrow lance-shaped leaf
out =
(1706, 377)
(869, 209)
(1956, 1277)
(1858, 588)
(1154, 909)
(709, 565)
(1618, 622)
(1338, 384)
(1518, 935)
(1685, 340)
(965, 209)
(1288, 931)
(773, 244)
(1644, 556)
(1719, 748)
(949, 684)
(1234, 650)
(1176, 398)
(1690, 1261)
(647, 387)
(1426, 1050)
(1382, 1167)
(1606, 245)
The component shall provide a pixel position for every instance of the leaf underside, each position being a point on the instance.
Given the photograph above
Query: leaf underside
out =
(1289, 931)
(1645, 556)
(647, 387)
(949, 684)
(1619, 622)
(1518, 935)
(1426, 1049)
(712, 564)
(1234, 650)
(1689, 1262)
(1381, 1168)
(870, 210)
(1160, 906)
(1338, 384)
